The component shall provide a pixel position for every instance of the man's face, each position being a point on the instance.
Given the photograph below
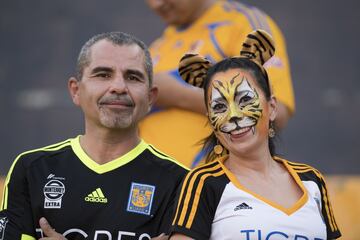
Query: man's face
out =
(176, 12)
(114, 91)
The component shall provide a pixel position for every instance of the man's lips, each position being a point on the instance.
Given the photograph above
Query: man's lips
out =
(118, 104)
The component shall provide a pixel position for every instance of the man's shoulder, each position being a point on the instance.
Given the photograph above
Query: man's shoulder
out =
(164, 161)
(28, 157)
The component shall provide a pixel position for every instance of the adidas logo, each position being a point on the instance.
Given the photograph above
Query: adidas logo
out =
(242, 206)
(96, 196)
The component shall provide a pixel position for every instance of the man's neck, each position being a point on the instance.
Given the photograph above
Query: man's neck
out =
(105, 146)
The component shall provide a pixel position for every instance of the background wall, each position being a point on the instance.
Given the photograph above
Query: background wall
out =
(40, 40)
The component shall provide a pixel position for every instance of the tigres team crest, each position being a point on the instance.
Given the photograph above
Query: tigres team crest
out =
(140, 198)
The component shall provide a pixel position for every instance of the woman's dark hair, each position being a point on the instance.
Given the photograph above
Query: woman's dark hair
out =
(222, 66)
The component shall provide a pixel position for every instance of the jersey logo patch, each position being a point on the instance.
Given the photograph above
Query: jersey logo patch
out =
(242, 206)
(3, 222)
(140, 198)
(54, 190)
(96, 196)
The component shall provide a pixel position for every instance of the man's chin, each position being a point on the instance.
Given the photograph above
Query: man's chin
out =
(118, 123)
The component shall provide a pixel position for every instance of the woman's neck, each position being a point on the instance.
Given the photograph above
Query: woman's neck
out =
(259, 163)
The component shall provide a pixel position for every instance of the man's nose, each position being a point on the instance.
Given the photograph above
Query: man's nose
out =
(118, 85)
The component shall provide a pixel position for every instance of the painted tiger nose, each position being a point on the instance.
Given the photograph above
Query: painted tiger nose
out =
(234, 119)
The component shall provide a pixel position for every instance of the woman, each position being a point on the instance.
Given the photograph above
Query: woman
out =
(245, 191)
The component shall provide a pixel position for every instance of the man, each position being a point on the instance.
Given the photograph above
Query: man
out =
(107, 183)
(214, 29)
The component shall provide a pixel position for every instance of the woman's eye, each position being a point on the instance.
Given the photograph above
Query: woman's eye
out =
(245, 99)
(219, 107)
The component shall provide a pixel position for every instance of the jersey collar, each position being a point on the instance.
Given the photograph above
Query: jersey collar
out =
(107, 167)
(296, 206)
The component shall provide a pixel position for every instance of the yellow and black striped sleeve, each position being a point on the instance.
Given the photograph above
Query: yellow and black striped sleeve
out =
(197, 201)
(308, 173)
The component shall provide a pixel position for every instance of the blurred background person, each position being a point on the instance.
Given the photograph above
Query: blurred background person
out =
(215, 29)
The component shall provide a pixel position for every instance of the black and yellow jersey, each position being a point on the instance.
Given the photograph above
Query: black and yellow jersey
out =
(131, 197)
(213, 204)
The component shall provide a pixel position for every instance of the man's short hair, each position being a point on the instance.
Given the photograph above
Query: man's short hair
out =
(117, 38)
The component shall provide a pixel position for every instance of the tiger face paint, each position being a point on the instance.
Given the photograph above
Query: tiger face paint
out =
(234, 104)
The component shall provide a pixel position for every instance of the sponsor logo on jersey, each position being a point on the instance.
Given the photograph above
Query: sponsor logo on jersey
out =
(140, 198)
(242, 206)
(54, 190)
(96, 196)
(51, 176)
(273, 235)
(100, 234)
(3, 222)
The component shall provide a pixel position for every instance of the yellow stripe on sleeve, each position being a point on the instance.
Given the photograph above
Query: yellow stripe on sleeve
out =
(327, 209)
(27, 237)
(180, 197)
(189, 192)
(197, 196)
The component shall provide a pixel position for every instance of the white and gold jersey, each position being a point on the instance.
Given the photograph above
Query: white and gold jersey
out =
(214, 205)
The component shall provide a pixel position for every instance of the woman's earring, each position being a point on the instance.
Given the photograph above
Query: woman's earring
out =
(218, 149)
(271, 130)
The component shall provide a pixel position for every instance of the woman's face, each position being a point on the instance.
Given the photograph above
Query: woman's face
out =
(238, 110)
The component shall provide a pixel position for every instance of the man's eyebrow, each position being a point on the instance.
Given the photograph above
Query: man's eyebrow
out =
(101, 69)
(135, 72)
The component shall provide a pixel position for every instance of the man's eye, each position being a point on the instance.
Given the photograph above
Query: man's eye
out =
(103, 75)
(133, 78)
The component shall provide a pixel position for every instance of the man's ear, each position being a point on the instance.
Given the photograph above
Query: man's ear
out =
(153, 94)
(273, 108)
(73, 86)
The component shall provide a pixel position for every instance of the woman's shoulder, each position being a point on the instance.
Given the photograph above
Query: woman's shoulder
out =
(305, 171)
(206, 174)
